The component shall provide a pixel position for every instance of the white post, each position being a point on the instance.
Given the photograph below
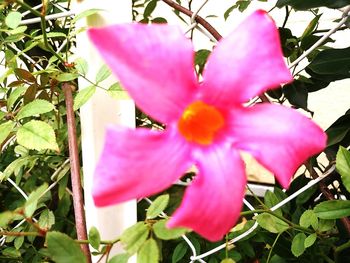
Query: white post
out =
(100, 111)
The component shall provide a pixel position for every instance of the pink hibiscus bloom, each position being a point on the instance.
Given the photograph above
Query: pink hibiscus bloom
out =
(206, 123)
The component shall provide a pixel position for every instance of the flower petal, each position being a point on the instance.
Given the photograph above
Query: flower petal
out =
(280, 138)
(212, 203)
(154, 63)
(138, 163)
(246, 63)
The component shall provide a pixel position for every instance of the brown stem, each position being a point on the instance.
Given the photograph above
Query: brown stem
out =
(41, 231)
(329, 196)
(200, 20)
(18, 234)
(78, 200)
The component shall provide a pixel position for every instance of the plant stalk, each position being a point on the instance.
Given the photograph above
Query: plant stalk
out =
(78, 201)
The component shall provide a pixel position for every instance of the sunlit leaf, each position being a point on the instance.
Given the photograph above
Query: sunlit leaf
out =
(34, 108)
(5, 130)
(13, 19)
(165, 233)
(83, 96)
(157, 206)
(33, 199)
(64, 77)
(310, 240)
(149, 252)
(342, 165)
(103, 73)
(94, 238)
(298, 246)
(134, 237)
(272, 223)
(37, 135)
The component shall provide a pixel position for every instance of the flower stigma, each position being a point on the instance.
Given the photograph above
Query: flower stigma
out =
(200, 123)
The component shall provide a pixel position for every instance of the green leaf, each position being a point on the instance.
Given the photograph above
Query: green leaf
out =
(159, 20)
(18, 30)
(243, 5)
(229, 11)
(2, 115)
(325, 225)
(200, 59)
(86, 13)
(121, 258)
(18, 242)
(15, 94)
(64, 77)
(309, 218)
(298, 247)
(150, 8)
(13, 19)
(227, 260)
(333, 209)
(33, 199)
(342, 165)
(157, 206)
(116, 91)
(46, 219)
(179, 252)
(83, 96)
(332, 61)
(272, 223)
(94, 238)
(310, 240)
(52, 35)
(281, 196)
(37, 135)
(149, 252)
(16, 166)
(306, 195)
(5, 130)
(134, 237)
(34, 108)
(11, 252)
(103, 73)
(6, 218)
(311, 26)
(296, 93)
(336, 134)
(165, 233)
(81, 66)
(63, 249)
(270, 199)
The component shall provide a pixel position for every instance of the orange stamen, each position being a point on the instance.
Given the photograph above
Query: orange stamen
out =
(200, 122)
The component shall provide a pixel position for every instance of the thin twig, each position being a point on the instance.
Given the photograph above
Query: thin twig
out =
(78, 200)
(286, 17)
(18, 234)
(200, 20)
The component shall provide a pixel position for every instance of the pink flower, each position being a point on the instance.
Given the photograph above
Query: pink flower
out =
(207, 125)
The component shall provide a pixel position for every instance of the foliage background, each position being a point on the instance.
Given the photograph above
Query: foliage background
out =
(36, 61)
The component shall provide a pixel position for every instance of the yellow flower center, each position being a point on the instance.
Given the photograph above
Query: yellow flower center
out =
(200, 122)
